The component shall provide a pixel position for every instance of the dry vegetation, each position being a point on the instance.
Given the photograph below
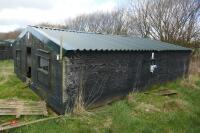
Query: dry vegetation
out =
(194, 68)
(5, 73)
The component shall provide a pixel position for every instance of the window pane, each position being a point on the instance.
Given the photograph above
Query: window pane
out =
(43, 63)
(2, 48)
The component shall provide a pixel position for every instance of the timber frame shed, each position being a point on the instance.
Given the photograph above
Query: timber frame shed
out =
(69, 68)
(6, 51)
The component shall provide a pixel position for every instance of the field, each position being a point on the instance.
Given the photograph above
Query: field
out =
(144, 112)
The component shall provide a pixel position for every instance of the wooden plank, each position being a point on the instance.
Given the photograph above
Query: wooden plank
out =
(17, 125)
(166, 92)
(18, 108)
(8, 111)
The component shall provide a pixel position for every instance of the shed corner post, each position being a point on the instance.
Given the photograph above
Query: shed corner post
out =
(65, 83)
(63, 72)
(188, 65)
(61, 48)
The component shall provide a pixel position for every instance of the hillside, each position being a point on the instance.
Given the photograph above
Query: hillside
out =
(138, 112)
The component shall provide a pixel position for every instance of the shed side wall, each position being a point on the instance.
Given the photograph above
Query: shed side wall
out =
(48, 86)
(6, 52)
(105, 75)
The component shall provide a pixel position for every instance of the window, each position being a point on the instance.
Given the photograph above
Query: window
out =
(2, 48)
(43, 63)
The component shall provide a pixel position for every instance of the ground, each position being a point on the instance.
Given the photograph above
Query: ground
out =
(138, 112)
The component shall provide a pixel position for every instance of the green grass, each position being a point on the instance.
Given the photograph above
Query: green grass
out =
(12, 88)
(138, 112)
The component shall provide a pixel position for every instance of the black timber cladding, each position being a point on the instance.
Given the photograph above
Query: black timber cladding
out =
(5, 50)
(46, 84)
(104, 75)
(106, 71)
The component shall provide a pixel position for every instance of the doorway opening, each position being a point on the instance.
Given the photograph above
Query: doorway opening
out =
(28, 61)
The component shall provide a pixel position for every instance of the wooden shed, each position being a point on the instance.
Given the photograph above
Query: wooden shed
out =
(68, 67)
(6, 49)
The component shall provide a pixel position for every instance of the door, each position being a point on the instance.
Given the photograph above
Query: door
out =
(18, 62)
(28, 62)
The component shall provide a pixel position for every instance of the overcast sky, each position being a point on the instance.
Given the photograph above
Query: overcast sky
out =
(19, 13)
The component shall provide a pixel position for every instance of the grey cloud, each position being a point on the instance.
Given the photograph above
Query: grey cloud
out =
(39, 4)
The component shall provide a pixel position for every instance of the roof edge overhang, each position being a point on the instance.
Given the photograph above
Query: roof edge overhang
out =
(40, 36)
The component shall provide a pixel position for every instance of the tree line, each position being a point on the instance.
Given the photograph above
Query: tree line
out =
(173, 21)
(10, 35)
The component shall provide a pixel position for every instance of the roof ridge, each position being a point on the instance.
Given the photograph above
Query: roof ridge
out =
(60, 29)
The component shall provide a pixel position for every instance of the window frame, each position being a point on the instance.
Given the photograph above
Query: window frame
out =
(41, 53)
(2, 48)
(39, 57)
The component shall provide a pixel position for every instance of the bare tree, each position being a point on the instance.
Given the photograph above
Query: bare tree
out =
(10, 35)
(138, 18)
(166, 20)
(174, 21)
(51, 25)
(109, 23)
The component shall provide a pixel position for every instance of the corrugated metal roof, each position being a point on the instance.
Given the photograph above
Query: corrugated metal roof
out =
(90, 41)
(3, 42)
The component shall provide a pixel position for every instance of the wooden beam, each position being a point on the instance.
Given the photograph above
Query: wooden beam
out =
(21, 124)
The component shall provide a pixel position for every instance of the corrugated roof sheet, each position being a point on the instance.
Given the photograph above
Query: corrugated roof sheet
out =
(3, 42)
(90, 41)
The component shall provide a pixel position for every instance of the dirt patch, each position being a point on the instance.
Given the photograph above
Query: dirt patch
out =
(130, 98)
(147, 108)
(175, 105)
(166, 92)
(5, 73)
(188, 83)
(108, 123)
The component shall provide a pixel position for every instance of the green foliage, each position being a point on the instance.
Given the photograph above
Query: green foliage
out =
(139, 112)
